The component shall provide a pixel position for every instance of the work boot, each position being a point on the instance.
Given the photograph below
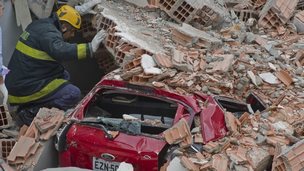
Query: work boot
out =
(13, 112)
(27, 115)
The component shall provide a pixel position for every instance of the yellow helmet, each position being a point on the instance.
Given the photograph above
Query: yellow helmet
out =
(70, 15)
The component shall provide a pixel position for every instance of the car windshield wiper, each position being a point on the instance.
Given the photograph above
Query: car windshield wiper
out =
(129, 127)
(97, 125)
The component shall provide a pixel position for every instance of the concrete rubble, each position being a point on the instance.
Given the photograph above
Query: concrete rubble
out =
(21, 150)
(221, 47)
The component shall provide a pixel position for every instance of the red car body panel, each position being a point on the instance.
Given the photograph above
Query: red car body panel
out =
(212, 118)
(85, 142)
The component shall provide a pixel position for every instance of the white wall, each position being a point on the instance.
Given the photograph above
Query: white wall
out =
(10, 31)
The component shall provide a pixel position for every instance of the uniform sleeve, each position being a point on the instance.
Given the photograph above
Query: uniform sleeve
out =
(53, 44)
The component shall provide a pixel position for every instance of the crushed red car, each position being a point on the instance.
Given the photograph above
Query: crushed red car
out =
(87, 142)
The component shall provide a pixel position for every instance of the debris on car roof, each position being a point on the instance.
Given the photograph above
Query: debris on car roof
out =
(230, 48)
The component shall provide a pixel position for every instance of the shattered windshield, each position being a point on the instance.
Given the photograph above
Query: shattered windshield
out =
(132, 114)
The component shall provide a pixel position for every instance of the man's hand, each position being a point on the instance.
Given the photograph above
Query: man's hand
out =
(86, 8)
(99, 37)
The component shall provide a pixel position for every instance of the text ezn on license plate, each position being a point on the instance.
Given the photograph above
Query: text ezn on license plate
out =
(103, 165)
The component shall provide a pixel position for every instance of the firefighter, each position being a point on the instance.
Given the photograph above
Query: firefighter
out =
(37, 78)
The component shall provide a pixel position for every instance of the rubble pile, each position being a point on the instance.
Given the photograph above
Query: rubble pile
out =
(22, 149)
(7, 136)
(251, 144)
(224, 48)
(217, 47)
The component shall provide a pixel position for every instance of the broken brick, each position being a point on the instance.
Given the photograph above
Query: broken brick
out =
(235, 157)
(21, 148)
(259, 158)
(220, 162)
(189, 36)
(298, 21)
(292, 157)
(277, 139)
(198, 138)
(299, 58)
(284, 77)
(163, 60)
(189, 164)
(5, 117)
(232, 122)
(178, 132)
(6, 146)
(212, 147)
(276, 13)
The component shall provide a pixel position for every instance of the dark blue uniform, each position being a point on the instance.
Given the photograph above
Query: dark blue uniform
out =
(37, 79)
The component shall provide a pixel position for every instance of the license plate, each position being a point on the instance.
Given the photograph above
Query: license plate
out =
(103, 165)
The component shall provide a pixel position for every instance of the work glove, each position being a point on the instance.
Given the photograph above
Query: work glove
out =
(86, 8)
(99, 37)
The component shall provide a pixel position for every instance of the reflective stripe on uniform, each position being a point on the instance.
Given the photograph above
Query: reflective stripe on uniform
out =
(81, 51)
(31, 52)
(53, 85)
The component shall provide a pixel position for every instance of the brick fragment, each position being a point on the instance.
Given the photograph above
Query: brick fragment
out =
(212, 147)
(261, 41)
(276, 13)
(273, 140)
(154, 2)
(189, 36)
(258, 4)
(244, 119)
(221, 65)
(300, 5)
(178, 132)
(21, 148)
(298, 21)
(6, 147)
(220, 162)
(23, 130)
(235, 157)
(299, 58)
(232, 122)
(43, 126)
(244, 15)
(163, 60)
(180, 10)
(189, 164)
(291, 158)
(5, 117)
(129, 74)
(207, 15)
(284, 77)
(198, 138)
(133, 64)
(259, 158)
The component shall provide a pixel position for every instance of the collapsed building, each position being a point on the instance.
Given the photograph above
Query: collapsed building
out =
(229, 48)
